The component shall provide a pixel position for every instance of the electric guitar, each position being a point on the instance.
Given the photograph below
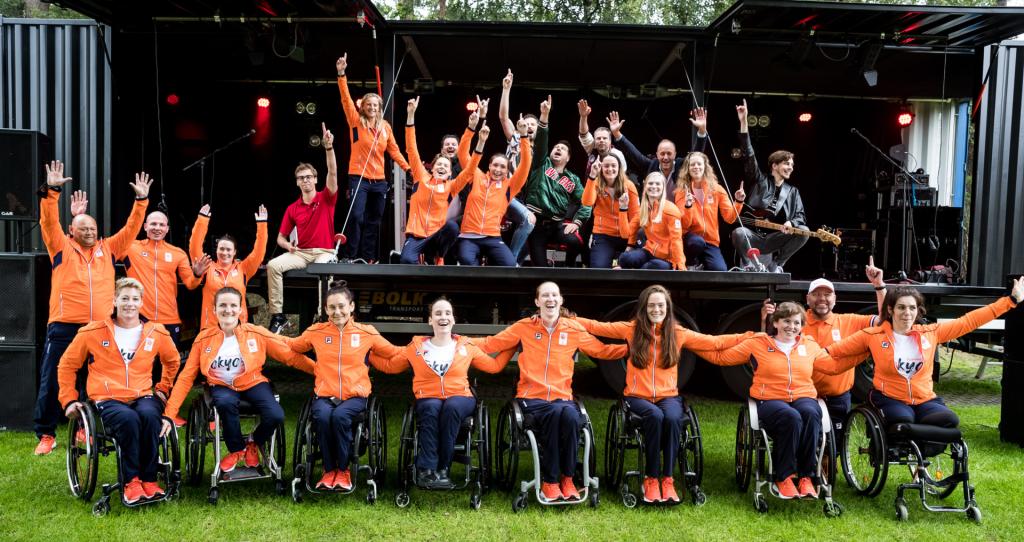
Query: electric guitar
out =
(757, 218)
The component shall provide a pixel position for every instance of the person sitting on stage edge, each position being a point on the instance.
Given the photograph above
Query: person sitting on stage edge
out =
(312, 218)
(609, 192)
(661, 223)
(774, 197)
(522, 218)
(554, 194)
(82, 287)
(429, 233)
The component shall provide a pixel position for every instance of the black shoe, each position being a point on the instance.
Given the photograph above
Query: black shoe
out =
(426, 478)
(444, 481)
(278, 322)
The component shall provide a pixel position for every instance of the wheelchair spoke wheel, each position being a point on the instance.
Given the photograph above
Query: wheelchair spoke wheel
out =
(828, 460)
(277, 447)
(170, 461)
(483, 450)
(300, 447)
(506, 449)
(943, 466)
(405, 454)
(378, 449)
(863, 453)
(691, 456)
(614, 446)
(195, 442)
(744, 450)
(83, 455)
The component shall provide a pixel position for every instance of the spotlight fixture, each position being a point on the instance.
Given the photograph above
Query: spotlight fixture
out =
(805, 117)
(752, 121)
(314, 141)
(905, 118)
(867, 68)
(311, 108)
(763, 121)
(471, 106)
(173, 99)
(263, 102)
(300, 107)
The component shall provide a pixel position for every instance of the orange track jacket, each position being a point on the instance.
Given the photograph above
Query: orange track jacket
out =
(341, 356)
(154, 264)
(365, 152)
(236, 275)
(665, 238)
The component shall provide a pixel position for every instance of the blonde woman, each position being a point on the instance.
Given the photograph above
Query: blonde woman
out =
(662, 225)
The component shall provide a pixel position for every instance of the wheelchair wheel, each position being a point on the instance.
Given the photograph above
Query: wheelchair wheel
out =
(691, 456)
(828, 459)
(303, 448)
(195, 442)
(277, 450)
(483, 447)
(591, 459)
(864, 454)
(614, 446)
(744, 449)
(83, 455)
(405, 454)
(944, 465)
(169, 457)
(506, 449)
(378, 447)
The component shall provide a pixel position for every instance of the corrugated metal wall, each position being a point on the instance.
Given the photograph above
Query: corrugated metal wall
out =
(997, 201)
(55, 77)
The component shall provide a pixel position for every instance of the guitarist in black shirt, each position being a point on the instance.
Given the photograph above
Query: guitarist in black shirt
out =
(772, 198)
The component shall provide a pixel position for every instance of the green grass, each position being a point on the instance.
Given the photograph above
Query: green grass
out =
(35, 501)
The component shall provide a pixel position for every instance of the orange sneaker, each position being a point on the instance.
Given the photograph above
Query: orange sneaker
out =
(228, 462)
(569, 491)
(80, 436)
(550, 491)
(133, 491)
(806, 488)
(652, 490)
(786, 489)
(213, 427)
(668, 490)
(152, 490)
(252, 454)
(327, 481)
(46, 445)
(439, 260)
(343, 480)
(179, 421)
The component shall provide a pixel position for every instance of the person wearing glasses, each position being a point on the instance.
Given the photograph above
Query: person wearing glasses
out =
(311, 218)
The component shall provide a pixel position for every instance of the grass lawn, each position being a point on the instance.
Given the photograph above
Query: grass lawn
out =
(35, 500)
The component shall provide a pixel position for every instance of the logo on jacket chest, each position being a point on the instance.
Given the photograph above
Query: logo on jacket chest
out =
(538, 336)
(563, 180)
(328, 340)
(353, 340)
(836, 335)
(801, 350)
(148, 345)
(563, 338)
(885, 344)
(251, 343)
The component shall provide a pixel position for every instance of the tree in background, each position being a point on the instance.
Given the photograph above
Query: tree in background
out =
(36, 9)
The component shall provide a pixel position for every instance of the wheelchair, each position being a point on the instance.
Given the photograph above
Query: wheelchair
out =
(937, 458)
(203, 427)
(369, 438)
(625, 432)
(473, 438)
(87, 440)
(754, 459)
(516, 434)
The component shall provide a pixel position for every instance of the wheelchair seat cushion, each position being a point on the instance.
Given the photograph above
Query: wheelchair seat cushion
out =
(916, 431)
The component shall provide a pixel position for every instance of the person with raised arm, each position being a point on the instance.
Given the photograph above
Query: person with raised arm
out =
(82, 283)
(661, 223)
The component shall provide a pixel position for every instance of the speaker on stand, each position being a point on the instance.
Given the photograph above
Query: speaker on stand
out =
(22, 155)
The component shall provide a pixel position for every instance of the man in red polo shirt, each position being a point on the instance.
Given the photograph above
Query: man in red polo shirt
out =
(312, 219)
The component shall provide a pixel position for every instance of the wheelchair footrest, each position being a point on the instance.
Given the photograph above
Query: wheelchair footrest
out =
(243, 473)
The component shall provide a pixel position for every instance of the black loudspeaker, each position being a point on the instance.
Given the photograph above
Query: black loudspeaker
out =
(1011, 416)
(22, 155)
(17, 386)
(24, 291)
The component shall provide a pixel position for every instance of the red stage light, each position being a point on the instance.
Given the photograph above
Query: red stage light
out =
(263, 102)
(805, 117)
(173, 99)
(471, 106)
(905, 118)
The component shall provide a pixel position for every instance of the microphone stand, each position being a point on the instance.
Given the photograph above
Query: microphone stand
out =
(908, 231)
(202, 165)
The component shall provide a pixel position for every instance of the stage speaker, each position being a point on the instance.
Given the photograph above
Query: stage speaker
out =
(1011, 418)
(24, 291)
(22, 154)
(17, 386)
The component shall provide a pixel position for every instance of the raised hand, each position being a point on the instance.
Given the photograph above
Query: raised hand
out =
(615, 123)
(689, 199)
(699, 120)
(740, 194)
(474, 118)
(484, 133)
(200, 266)
(327, 138)
(205, 210)
(506, 82)
(545, 106)
(410, 108)
(79, 203)
(1018, 290)
(583, 108)
(341, 64)
(873, 273)
(595, 169)
(741, 112)
(141, 185)
(624, 201)
(261, 214)
(55, 174)
(521, 126)
(481, 106)
(767, 309)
